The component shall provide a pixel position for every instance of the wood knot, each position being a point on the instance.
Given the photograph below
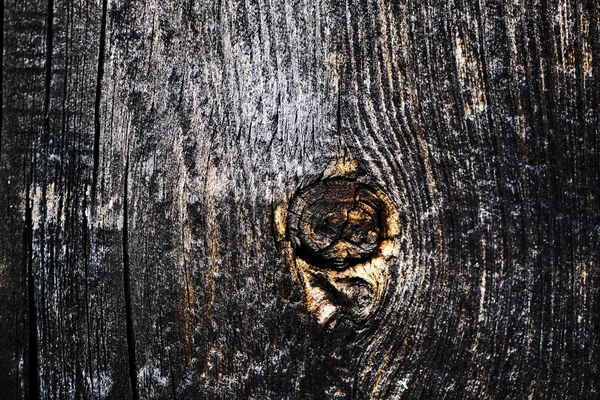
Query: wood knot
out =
(341, 237)
(336, 223)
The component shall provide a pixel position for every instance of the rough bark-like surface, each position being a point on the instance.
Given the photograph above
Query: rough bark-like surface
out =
(150, 150)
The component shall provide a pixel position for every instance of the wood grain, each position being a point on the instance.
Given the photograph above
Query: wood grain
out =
(148, 147)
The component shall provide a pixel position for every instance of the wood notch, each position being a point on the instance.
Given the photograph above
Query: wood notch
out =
(343, 235)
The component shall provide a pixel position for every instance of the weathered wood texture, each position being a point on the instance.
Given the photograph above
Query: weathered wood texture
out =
(147, 146)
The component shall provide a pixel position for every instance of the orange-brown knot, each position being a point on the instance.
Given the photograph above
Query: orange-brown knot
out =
(336, 223)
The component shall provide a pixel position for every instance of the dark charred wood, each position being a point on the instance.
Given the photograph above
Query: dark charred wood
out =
(300, 199)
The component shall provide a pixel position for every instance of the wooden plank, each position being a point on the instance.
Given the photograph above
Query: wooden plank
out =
(161, 145)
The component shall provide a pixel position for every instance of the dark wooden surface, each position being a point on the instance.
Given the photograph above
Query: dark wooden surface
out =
(149, 151)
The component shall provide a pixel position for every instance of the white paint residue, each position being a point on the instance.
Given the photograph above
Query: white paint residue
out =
(467, 64)
(103, 385)
(482, 285)
(151, 373)
(402, 387)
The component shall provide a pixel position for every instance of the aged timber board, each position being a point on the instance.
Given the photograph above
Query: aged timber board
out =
(300, 199)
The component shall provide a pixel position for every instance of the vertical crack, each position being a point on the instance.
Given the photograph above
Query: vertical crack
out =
(1, 76)
(48, 67)
(127, 289)
(101, 55)
(32, 355)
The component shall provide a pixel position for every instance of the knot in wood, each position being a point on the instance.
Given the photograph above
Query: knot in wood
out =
(336, 223)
